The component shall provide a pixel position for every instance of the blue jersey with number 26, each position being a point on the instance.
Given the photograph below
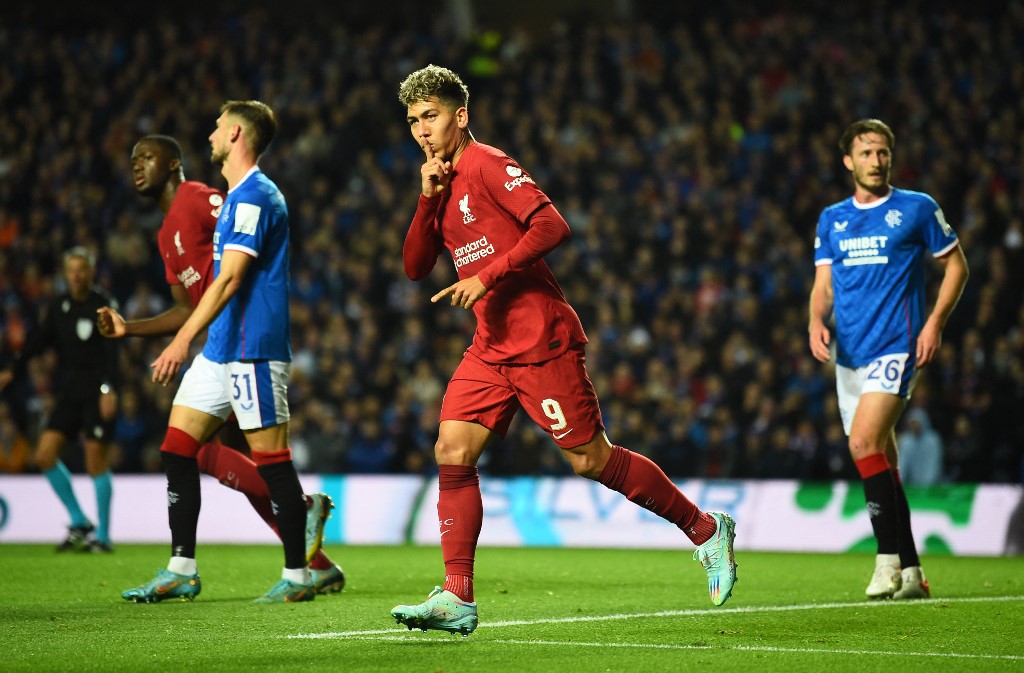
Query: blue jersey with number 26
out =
(255, 324)
(878, 280)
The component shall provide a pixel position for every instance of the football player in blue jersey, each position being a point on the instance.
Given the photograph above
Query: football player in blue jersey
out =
(869, 254)
(244, 365)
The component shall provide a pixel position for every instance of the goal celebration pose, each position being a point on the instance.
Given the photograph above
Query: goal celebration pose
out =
(528, 349)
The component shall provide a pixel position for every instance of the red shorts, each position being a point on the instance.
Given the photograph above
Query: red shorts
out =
(557, 394)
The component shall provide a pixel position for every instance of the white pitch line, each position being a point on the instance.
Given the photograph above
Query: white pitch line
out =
(707, 648)
(702, 612)
(763, 648)
(711, 612)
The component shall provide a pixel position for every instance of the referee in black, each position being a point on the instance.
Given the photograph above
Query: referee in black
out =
(86, 401)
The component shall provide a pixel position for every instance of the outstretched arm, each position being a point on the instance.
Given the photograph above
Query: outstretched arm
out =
(953, 281)
(112, 324)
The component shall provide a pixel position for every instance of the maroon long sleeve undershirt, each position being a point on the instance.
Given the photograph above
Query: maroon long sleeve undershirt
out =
(422, 244)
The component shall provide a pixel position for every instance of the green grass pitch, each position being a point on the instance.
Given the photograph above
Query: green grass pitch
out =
(563, 610)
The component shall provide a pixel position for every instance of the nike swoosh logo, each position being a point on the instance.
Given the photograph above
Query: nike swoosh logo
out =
(563, 434)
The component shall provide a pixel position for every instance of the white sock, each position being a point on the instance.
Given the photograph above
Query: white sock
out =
(299, 575)
(182, 565)
(887, 560)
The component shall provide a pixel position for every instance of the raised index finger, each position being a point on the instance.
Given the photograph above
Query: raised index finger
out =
(427, 149)
(443, 293)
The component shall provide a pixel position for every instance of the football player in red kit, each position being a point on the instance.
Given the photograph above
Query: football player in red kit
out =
(528, 349)
(185, 241)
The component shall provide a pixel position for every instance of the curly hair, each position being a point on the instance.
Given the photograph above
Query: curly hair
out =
(434, 82)
(860, 127)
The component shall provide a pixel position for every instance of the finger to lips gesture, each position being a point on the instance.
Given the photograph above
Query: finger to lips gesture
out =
(436, 172)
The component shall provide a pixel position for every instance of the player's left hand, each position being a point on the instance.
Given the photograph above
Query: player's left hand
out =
(166, 367)
(928, 342)
(465, 293)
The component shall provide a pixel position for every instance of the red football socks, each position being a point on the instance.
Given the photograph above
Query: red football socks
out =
(644, 483)
(237, 471)
(180, 443)
(875, 463)
(233, 469)
(460, 514)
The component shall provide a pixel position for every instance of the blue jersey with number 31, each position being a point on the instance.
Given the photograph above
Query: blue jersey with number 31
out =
(878, 281)
(255, 324)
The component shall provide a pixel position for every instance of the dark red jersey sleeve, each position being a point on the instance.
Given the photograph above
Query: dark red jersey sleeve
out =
(511, 187)
(422, 243)
(547, 229)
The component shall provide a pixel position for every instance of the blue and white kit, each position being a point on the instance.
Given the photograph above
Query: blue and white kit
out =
(246, 361)
(255, 324)
(877, 255)
(876, 252)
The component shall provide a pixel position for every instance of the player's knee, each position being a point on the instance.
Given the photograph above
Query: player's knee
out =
(587, 469)
(585, 463)
(862, 447)
(453, 453)
(47, 452)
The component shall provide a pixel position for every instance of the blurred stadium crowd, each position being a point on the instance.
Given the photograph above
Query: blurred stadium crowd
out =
(691, 158)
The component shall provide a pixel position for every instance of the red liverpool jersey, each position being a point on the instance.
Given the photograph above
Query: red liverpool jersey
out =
(524, 317)
(186, 237)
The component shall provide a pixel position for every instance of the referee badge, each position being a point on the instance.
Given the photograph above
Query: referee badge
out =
(83, 328)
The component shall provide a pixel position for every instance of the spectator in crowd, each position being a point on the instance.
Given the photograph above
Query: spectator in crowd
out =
(13, 445)
(133, 430)
(691, 148)
(921, 452)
